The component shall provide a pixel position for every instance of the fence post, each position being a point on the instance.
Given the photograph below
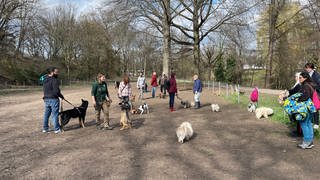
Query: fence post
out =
(227, 89)
(238, 94)
(219, 88)
(212, 86)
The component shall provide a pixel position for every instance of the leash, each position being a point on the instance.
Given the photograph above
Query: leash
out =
(179, 98)
(73, 105)
(69, 102)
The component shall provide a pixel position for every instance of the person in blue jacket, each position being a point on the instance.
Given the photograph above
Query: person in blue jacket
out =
(197, 89)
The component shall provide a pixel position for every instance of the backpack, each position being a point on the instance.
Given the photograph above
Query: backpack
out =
(254, 95)
(315, 98)
(42, 78)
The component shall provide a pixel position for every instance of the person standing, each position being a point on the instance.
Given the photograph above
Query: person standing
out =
(197, 89)
(140, 85)
(163, 83)
(154, 84)
(315, 76)
(172, 89)
(307, 88)
(125, 93)
(101, 101)
(51, 97)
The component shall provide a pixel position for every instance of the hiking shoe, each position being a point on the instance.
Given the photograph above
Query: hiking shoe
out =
(316, 126)
(305, 145)
(57, 131)
(99, 127)
(45, 131)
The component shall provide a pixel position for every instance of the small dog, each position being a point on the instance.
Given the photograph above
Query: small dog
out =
(251, 107)
(192, 104)
(282, 95)
(184, 132)
(116, 84)
(186, 104)
(144, 108)
(125, 120)
(215, 107)
(76, 112)
(263, 112)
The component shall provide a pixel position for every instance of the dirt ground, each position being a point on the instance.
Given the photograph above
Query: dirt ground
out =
(230, 144)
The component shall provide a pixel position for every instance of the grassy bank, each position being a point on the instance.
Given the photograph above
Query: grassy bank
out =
(267, 100)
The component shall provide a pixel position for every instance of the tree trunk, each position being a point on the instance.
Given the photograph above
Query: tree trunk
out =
(166, 39)
(272, 24)
(196, 35)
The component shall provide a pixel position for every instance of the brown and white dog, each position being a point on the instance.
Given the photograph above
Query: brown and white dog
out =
(125, 120)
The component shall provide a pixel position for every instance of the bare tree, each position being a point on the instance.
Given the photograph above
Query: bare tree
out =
(199, 18)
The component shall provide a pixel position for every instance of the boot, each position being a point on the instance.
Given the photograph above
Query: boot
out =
(197, 105)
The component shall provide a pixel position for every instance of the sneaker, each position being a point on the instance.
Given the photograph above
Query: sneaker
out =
(316, 126)
(305, 145)
(311, 145)
(99, 127)
(57, 131)
(107, 128)
(45, 131)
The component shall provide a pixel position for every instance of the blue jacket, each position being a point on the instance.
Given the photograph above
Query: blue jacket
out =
(197, 86)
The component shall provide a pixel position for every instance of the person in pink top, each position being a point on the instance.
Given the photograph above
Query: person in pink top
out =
(172, 89)
(154, 84)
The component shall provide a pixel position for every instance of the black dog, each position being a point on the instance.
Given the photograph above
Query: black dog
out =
(116, 84)
(79, 112)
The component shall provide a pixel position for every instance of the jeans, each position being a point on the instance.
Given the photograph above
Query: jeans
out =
(163, 89)
(51, 107)
(307, 129)
(171, 100)
(154, 92)
(197, 97)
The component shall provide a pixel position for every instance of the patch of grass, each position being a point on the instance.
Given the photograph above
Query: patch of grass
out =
(267, 100)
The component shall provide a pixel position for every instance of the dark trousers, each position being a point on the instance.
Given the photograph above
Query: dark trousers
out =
(171, 100)
(316, 118)
(163, 89)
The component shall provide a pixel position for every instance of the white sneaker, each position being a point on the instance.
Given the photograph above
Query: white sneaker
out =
(57, 131)
(45, 131)
(316, 126)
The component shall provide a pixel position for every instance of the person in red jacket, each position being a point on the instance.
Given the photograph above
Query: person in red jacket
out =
(172, 89)
(154, 84)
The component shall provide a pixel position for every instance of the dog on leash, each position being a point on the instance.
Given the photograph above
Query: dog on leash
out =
(263, 112)
(184, 132)
(125, 120)
(116, 84)
(144, 108)
(186, 104)
(215, 107)
(76, 112)
(251, 107)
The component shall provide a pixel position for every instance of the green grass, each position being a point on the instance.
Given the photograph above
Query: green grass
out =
(267, 100)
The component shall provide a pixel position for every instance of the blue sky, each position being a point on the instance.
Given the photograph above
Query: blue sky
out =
(82, 6)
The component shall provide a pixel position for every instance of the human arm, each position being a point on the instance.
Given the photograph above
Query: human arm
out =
(56, 89)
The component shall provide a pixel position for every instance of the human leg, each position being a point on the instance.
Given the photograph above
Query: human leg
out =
(47, 112)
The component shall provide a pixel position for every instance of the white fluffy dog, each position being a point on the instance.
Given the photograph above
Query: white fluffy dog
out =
(263, 112)
(251, 107)
(215, 107)
(184, 131)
